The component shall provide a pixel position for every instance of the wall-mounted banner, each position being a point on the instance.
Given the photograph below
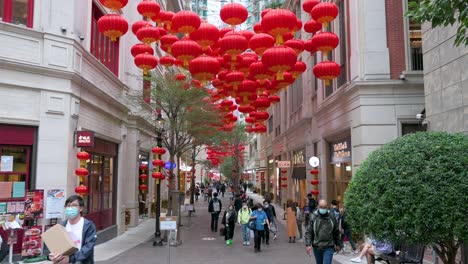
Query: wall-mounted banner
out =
(340, 152)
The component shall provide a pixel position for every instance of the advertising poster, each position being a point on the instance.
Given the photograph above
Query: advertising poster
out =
(34, 204)
(32, 243)
(55, 203)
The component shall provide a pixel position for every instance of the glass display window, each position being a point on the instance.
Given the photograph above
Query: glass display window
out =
(14, 171)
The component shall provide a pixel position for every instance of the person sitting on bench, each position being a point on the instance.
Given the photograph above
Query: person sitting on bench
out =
(373, 250)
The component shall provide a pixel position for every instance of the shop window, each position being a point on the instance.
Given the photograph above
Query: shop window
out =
(415, 44)
(14, 171)
(343, 77)
(18, 12)
(296, 96)
(105, 50)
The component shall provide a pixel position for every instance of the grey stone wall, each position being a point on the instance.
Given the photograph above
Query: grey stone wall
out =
(445, 80)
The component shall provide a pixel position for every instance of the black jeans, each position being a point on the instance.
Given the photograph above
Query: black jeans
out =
(230, 231)
(214, 221)
(258, 238)
(4, 250)
(266, 234)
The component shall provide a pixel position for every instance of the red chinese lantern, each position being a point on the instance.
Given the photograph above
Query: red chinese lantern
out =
(284, 171)
(166, 19)
(262, 103)
(204, 68)
(260, 42)
(167, 41)
(148, 8)
(247, 34)
(245, 109)
(327, 70)
(157, 150)
(146, 62)
(258, 28)
(139, 24)
(233, 14)
(299, 68)
(83, 155)
(186, 50)
(309, 46)
(166, 61)
(233, 44)
(81, 190)
(284, 178)
(206, 35)
(114, 4)
(314, 182)
(81, 172)
(325, 42)
(234, 79)
(185, 22)
(309, 4)
(296, 44)
(158, 175)
(246, 89)
(278, 22)
(143, 188)
(312, 26)
(324, 13)
(159, 163)
(143, 176)
(314, 192)
(112, 26)
(265, 11)
(274, 99)
(141, 48)
(148, 34)
(284, 185)
(314, 171)
(279, 59)
(258, 71)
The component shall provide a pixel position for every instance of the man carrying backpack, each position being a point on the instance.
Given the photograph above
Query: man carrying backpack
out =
(215, 208)
(322, 235)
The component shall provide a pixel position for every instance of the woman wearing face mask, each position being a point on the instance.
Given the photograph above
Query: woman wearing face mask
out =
(260, 218)
(229, 222)
(82, 232)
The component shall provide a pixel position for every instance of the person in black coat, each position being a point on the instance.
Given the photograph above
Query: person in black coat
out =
(229, 222)
(238, 203)
(215, 208)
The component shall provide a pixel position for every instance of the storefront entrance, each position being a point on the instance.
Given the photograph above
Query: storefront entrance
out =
(340, 170)
(100, 202)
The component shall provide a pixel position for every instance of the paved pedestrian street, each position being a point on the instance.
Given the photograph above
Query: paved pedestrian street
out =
(200, 245)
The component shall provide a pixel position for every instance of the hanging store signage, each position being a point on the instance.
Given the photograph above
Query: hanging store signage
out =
(85, 139)
(299, 158)
(340, 152)
(284, 164)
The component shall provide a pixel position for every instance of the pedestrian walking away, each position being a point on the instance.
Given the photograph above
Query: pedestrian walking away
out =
(300, 221)
(346, 232)
(243, 218)
(291, 221)
(271, 214)
(322, 235)
(81, 230)
(215, 208)
(229, 222)
(260, 218)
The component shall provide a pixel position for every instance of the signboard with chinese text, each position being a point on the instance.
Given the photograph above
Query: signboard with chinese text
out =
(284, 164)
(340, 152)
(84, 139)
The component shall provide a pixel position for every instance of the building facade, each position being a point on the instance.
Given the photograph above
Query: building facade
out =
(59, 75)
(445, 80)
(373, 101)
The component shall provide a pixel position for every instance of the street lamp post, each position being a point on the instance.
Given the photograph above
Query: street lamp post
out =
(159, 133)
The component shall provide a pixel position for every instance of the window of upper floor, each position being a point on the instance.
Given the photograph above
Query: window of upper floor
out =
(105, 50)
(296, 94)
(413, 44)
(270, 124)
(18, 12)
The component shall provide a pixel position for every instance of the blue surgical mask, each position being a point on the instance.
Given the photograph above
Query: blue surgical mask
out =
(71, 212)
(323, 211)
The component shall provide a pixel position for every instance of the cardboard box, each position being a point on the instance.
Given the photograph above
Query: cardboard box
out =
(58, 241)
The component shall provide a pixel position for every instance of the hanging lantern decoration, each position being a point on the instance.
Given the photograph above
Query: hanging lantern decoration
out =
(233, 14)
(206, 35)
(204, 68)
(284, 185)
(278, 22)
(314, 192)
(299, 68)
(141, 48)
(247, 34)
(146, 62)
(166, 19)
(158, 164)
(284, 178)
(245, 90)
(143, 188)
(274, 99)
(166, 61)
(296, 44)
(112, 26)
(114, 4)
(81, 190)
(279, 59)
(327, 70)
(261, 42)
(309, 46)
(258, 28)
(314, 182)
(260, 128)
(83, 156)
(148, 8)
(185, 22)
(167, 41)
(81, 172)
(234, 79)
(314, 171)
(233, 44)
(308, 5)
(180, 77)
(312, 26)
(139, 24)
(284, 171)
(148, 34)
(325, 42)
(324, 13)
(186, 50)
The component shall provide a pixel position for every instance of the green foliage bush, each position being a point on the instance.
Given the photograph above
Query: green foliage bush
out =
(414, 189)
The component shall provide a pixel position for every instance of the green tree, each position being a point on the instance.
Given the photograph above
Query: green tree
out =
(414, 189)
(442, 13)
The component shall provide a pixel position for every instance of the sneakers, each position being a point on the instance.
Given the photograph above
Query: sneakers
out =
(244, 243)
(274, 237)
(356, 260)
(248, 243)
(355, 252)
(229, 242)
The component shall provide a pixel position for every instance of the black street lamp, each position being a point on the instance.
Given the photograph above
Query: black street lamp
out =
(159, 134)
